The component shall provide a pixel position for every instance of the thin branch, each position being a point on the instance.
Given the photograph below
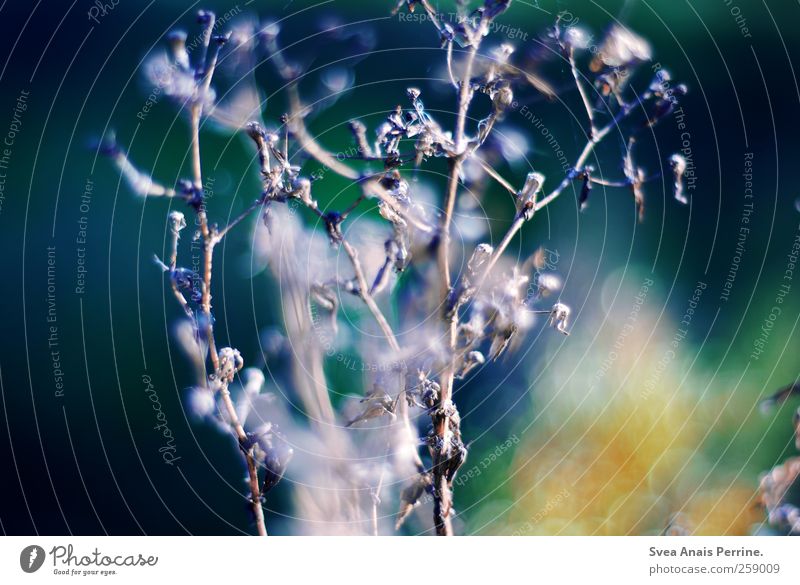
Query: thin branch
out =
(441, 491)
(376, 493)
(208, 252)
(367, 297)
(308, 142)
(581, 160)
(375, 188)
(236, 221)
(450, 63)
(520, 219)
(581, 90)
(455, 170)
(494, 174)
(252, 467)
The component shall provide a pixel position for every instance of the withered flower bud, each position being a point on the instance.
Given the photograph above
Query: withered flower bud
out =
(177, 221)
(276, 460)
(502, 98)
(558, 317)
(678, 164)
(586, 188)
(479, 259)
(526, 197)
(230, 362)
(177, 44)
(410, 496)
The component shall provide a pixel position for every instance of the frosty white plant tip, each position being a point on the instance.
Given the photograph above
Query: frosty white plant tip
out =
(575, 37)
(678, 164)
(230, 362)
(548, 283)
(559, 315)
(177, 221)
(253, 381)
(526, 197)
(623, 48)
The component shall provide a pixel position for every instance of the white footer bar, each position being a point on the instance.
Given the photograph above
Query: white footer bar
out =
(501, 560)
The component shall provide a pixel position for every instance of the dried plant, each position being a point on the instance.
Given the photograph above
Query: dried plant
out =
(481, 313)
(778, 485)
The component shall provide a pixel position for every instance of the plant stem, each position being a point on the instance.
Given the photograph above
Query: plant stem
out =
(519, 220)
(252, 467)
(441, 491)
(367, 297)
(387, 332)
(581, 90)
(208, 252)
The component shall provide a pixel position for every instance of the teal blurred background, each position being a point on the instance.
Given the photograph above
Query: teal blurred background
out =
(85, 460)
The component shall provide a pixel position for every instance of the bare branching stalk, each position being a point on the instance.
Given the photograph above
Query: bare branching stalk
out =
(479, 308)
(442, 497)
(209, 242)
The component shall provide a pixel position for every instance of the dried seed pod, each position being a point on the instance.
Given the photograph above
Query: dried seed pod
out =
(586, 188)
(177, 221)
(559, 315)
(430, 391)
(230, 362)
(457, 458)
(678, 165)
(277, 455)
(502, 335)
(177, 44)
(377, 404)
(183, 278)
(410, 496)
(360, 135)
(621, 48)
(781, 396)
(479, 260)
(471, 361)
(526, 197)
(301, 189)
(502, 98)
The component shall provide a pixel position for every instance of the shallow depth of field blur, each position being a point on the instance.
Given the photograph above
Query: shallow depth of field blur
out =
(646, 419)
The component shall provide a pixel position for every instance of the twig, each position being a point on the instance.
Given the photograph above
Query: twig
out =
(581, 90)
(441, 491)
(236, 221)
(307, 141)
(494, 174)
(368, 299)
(252, 468)
(208, 251)
(376, 493)
(520, 219)
(450, 63)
